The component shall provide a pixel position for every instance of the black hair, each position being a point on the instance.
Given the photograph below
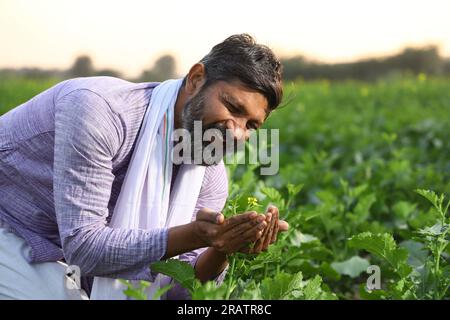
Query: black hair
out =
(240, 58)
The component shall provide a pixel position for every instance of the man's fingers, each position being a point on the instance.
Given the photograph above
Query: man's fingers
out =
(253, 234)
(247, 237)
(220, 218)
(242, 228)
(259, 244)
(283, 225)
(270, 230)
(273, 227)
(276, 227)
(250, 227)
(245, 233)
(209, 215)
(241, 218)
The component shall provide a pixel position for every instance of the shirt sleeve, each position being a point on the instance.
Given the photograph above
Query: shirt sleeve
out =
(213, 195)
(87, 136)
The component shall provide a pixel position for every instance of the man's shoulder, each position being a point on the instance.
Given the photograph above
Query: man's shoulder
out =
(120, 94)
(102, 85)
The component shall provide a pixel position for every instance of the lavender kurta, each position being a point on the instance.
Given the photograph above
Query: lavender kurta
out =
(63, 158)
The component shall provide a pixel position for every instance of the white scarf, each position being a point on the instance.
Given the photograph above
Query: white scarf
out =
(144, 201)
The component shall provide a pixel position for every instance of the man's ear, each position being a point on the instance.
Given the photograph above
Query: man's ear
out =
(195, 79)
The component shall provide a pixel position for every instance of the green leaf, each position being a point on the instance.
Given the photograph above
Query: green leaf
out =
(293, 190)
(437, 201)
(352, 267)
(417, 252)
(288, 286)
(297, 238)
(362, 208)
(136, 291)
(357, 191)
(327, 197)
(313, 289)
(271, 193)
(430, 196)
(281, 286)
(296, 282)
(250, 290)
(436, 230)
(403, 209)
(135, 294)
(182, 272)
(384, 247)
(210, 291)
(373, 294)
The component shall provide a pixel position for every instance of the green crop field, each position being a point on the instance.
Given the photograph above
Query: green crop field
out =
(356, 160)
(16, 90)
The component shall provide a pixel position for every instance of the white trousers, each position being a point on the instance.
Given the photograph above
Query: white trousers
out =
(20, 280)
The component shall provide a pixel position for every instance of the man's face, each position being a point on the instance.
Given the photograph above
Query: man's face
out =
(229, 107)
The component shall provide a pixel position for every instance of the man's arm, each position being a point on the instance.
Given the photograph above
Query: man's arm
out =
(210, 264)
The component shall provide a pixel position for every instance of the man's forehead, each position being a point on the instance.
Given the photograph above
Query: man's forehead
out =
(237, 92)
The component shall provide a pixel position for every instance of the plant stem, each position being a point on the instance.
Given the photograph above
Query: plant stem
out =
(230, 279)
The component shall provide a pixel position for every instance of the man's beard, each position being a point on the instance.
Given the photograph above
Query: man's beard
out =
(209, 150)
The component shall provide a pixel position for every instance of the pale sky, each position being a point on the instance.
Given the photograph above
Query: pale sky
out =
(130, 35)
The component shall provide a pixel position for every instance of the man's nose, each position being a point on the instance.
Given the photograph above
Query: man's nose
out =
(239, 132)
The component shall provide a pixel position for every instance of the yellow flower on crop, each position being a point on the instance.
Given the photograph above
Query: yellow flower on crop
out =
(252, 201)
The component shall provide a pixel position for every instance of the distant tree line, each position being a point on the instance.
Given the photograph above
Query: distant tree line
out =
(409, 61)
(163, 68)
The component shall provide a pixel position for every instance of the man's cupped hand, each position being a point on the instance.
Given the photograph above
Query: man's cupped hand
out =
(248, 232)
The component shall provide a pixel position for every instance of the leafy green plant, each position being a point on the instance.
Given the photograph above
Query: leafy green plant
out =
(424, 276)
(436, 273)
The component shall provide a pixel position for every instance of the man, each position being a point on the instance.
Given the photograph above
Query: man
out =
(63, 159)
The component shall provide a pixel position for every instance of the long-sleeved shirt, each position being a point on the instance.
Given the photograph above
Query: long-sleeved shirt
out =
(63, 159)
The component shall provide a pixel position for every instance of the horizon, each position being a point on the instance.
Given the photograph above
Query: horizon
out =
(293, 55)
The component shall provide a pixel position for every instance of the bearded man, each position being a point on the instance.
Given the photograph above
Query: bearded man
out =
(87, 180)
